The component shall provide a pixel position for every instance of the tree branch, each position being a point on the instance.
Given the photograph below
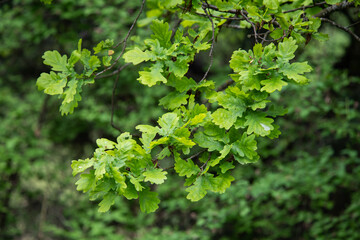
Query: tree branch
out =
(341, 27)
(212, 43)
(124, 41)
(333, 8)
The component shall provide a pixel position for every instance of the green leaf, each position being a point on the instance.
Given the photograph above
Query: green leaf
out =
(130, 192)
(198, 190)
(149, 201)
(224, 118)
(245, 147)
(136, 183)
(223, 154)
(258, 123)
(239, 60)
(181, 84)
(225, 166)
(150, 78)
(81, 165)
(174, 100)
(155, 175)
(105, 143)
(52, 83)
(55, 60)
(70, 91)
(179, 68)
(287, 49)
(161, 32)
(136, 56)
(223, 181)
(107, 202)
(68, 107)
(294, 70)
(86, 182)
(168, 122)
(100, 169)
(272, 4)
(273, 84)
(186, 168)
(118, 177)
(233, 102)
(198, 119)
(206, 141)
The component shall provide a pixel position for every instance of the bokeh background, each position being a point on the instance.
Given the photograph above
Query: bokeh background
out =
(306, 185)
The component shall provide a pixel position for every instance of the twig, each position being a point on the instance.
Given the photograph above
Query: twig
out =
(305, 7)
(225, 85)
(202, 167)
(114, 72)
(341, 27)
(124, 41)
(212, 44)
(333, 8)
(213, 7)
(196, 154)
(113, 104)
(252, 24)
(353, 24)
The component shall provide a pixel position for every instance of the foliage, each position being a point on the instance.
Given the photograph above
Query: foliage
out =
(230, 129)
(305, 186)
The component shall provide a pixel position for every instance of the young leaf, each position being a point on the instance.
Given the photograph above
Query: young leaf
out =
(107, 202)
(168, 122)
(161, 32)
(198, 190)
(174, 100)
(258, 123)
(136, 56)
(245, 147)
(52, 83)
(186, 168)
(206, 141)
(56, 61)
(148, 201)
(273, 84)
(150, 78)
(81, 165)
(86, 182)
(224, 118)
(287, 49)
(155, 175)
(294, 70)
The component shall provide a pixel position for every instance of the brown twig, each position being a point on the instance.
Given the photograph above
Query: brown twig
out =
(305, 7)
(333, 8)
(114, 72)
(124, 42)
(243, 13)
(212, 43)
(341, 27)
(113, 104)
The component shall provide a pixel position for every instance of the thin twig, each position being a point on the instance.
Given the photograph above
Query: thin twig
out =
(353, 24)
(333, 8)
(114, 72)
(341, 27)
(205, 164)
(213, 7)
(252, 24)
(124, 42)
(305, 7)
(196, 154)
(212, 44)
(113, 104)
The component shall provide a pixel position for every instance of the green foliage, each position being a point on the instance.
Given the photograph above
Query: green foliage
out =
(207, 132)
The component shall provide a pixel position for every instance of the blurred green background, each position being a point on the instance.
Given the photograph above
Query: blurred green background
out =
(306, 185)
